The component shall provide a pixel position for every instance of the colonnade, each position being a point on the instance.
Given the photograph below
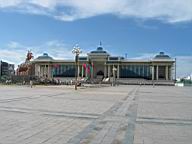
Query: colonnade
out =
(155, 72)
(43, 70)
(83, 73)
(110, 69)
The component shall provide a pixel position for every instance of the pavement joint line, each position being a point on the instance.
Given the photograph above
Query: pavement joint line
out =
(168, 119)
(30, 97)
(129, 136)
(134, 114)
(51, 113)
(164, 121)
(113, 111)
(76, 139)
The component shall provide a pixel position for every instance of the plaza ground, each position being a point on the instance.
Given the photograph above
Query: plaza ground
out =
(104, 115)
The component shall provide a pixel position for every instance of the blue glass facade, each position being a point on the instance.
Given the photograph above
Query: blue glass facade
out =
(135, 71)
(64, 71)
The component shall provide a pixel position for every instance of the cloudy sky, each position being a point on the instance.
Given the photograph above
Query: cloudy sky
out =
(138, 28)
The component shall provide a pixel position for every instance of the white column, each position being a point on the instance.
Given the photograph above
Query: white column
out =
(44, 67)
(37, 70)
(166, 73)
(82, 72)
(40, 71)
(170, 73)
(105, 71)
(109, 71)
(157, 72)
(48, 71)
(118, 71)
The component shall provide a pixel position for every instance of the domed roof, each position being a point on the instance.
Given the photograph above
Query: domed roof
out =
(45, 56)
(161, 55)
(99, 50)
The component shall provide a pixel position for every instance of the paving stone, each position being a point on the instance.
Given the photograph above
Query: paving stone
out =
(105, 115)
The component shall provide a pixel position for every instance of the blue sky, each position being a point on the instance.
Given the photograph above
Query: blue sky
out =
(139, 28)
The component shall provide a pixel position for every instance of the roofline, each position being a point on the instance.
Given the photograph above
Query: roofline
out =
(98, 54)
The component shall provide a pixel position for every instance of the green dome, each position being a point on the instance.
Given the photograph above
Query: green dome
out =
(162, 55)
(45, 56)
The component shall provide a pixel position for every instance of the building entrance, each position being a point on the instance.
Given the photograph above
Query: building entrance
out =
(100, 73)
(161, 72)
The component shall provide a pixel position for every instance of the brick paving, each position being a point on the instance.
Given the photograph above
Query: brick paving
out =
(105, 115)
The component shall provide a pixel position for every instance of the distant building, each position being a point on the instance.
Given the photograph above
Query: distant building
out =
(6, 69)
(100, 63)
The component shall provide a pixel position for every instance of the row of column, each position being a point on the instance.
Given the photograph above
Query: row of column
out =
(111, 69)
(43, 70)
(85, 72)
(107, 71)
(156, 75)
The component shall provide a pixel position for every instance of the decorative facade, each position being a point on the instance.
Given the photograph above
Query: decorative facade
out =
(100, 63)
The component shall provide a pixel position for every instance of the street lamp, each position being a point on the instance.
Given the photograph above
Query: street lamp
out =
(76, 50)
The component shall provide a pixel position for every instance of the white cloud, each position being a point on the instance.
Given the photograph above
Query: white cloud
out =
(9, 3)
(147, 56)
(183, 63)
(68, 10)
(15, 52)
(14, 57)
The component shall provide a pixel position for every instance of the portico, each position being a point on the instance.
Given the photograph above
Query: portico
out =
(161, 72)
(162, 66)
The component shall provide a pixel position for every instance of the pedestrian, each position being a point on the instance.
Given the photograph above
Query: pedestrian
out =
(31, 83)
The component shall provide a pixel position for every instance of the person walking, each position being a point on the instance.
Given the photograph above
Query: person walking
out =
(31, 83)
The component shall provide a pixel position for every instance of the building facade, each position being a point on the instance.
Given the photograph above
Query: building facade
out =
(100, 63)
(6, 69)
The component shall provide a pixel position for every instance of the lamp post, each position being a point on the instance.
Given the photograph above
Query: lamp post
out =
(76, 50)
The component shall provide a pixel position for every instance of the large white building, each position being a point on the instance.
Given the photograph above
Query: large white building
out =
(100, 63)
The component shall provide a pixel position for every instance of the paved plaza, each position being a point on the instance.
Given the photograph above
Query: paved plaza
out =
(104, 115)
